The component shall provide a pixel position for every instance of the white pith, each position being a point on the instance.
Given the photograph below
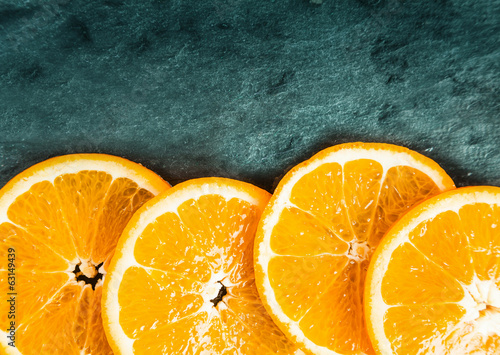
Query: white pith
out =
(477, 295)
(359, 251)
(386, 158)
(125, 255)
(50, 173)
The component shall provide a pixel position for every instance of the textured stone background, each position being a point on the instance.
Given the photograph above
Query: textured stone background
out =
(245, 88)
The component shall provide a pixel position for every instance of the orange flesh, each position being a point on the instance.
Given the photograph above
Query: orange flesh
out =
(344, 211)
(447, 257)
(54, 226)
(165, 308)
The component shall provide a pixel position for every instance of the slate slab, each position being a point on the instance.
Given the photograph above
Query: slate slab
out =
(248, 88)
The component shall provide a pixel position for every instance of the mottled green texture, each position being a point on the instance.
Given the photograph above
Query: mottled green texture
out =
(245, 88)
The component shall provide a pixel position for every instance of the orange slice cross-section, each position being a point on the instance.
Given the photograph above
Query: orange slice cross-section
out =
(60, 221)
(317, 235)
(182, 280)
(434, 285)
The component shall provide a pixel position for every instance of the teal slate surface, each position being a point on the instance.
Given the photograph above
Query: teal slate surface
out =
(245, 88)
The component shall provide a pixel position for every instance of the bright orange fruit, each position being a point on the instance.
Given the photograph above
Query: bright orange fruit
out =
(182, 281)
(434, 283)
(59, 223)
(318, 233)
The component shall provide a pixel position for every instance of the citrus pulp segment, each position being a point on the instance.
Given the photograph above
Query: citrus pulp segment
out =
(59, 223)
(182, 281)
(434, 283)
(319, 230)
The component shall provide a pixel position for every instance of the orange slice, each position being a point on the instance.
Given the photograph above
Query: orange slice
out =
(182, 281)
(434, 283)
(318, 233)
(59, 223)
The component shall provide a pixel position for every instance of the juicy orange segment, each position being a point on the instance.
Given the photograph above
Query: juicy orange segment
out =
(59, 224)
(434, 319)
(434, 282)
(318, 233)
(182, 280)
(298, 295)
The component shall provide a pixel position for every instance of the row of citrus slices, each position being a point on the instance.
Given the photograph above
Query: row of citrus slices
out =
(218, 266)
